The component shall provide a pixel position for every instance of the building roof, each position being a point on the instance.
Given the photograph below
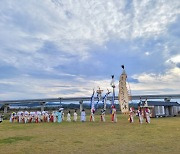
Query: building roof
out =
(160, 103)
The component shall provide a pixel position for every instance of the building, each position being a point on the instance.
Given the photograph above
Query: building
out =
(161, 108)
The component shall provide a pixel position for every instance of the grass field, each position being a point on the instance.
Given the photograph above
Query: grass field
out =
(161, 136)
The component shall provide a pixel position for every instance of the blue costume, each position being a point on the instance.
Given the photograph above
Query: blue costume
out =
(59, 115)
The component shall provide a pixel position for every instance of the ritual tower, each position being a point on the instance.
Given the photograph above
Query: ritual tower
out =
(123, 92)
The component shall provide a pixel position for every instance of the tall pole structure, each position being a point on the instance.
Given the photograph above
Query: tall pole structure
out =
(123, 93)
(99, 92)
(113, 86)
(6, 107)
(105, 99)
(81, 105)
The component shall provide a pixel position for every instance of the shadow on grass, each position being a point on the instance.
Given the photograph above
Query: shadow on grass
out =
(10, 140)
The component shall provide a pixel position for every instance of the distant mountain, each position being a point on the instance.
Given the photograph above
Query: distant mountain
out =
(86, 105)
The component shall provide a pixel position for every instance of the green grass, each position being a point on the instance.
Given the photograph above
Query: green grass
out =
(161, 136)
(15, 139)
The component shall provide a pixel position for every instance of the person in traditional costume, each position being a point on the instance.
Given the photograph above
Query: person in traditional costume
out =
(25, 118)
(39, 116)
(11, 118)
(93, 107)
(103, 111)
(83, 116)
(75, 116)
(51, 117)
(54, 116)
(1, 118)
(103, 115)
(59, 116)
(114, 116)
(19, 117)
(46, 117)
(92, 115)
(69, 116)
(26, 115)
(147, 114)
(62, 115)
(36, 118)
(43, 116)
(30, 118)
(131, 115)
(140, 115)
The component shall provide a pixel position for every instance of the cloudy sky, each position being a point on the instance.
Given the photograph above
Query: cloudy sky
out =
(61, 48)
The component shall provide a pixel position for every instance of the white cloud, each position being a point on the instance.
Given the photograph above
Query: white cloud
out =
(169, 82)
(75, 28)
(147, 53)
(152, 17)
(175, 59)
(25, 87)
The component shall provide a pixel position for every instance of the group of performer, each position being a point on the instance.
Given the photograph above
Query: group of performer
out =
(36, 117)
(141, 113)
(58, 116)
(45, 116)
(55, 116)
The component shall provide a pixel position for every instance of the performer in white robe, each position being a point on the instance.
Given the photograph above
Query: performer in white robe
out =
(25, 118)
(147, 114)
(47, 116)
(92, 115)
(114, 116)
(103, 115)
(140, 115)
(83, 116)
(11, 118)
(69, 117)
(131, 115)
(1, 118)
(75, 116)
(19, 116)
(36, 117)
(32, 119)
(54, 116)
(62, 116)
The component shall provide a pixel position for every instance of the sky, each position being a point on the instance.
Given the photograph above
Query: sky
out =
(65, 48)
